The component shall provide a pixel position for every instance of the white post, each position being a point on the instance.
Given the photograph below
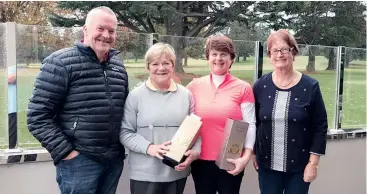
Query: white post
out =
(11, 59)
(338, 96)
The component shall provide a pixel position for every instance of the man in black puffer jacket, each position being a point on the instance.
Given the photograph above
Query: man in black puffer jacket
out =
(77, 106)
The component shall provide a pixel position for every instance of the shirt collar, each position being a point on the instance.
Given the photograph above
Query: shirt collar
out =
(172, 87)
(227, 77)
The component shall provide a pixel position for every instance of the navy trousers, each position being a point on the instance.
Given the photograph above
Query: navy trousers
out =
(275, 182)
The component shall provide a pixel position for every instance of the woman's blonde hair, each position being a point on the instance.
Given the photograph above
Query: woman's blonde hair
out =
(159, 49)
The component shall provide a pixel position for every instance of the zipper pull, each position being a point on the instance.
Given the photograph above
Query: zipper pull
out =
(105, 74)
(74, 126)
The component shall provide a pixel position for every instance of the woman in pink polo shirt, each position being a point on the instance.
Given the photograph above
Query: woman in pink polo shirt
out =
(217, 96)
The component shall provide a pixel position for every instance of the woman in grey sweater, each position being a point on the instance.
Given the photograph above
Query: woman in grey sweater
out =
(153, 112)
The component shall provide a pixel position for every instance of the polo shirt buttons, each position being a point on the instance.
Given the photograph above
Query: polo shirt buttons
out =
(166, 126)
(150, 126)
(292, 161)
(293, 140)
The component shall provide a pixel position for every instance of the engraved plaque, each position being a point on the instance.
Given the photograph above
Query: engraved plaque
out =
(234, 138)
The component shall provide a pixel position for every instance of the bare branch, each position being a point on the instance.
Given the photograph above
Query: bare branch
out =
(198, 27)
(211, 27)
(193, 14)
(141, 22)
(188, 4)
(128, 24)
(151, 25)
(215, 30)
(172, 4)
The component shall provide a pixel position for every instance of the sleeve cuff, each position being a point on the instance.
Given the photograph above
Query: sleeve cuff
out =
(197, 145)
(144, 146)
(316, 153)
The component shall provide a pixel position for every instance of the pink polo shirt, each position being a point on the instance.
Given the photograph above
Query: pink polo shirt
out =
(214, 105)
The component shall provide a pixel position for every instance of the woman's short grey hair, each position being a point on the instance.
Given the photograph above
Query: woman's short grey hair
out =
(95, 10)
(159, 49)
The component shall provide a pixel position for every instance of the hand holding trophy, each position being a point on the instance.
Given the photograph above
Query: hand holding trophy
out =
(158, 150)
(229, 158)
(180, 149)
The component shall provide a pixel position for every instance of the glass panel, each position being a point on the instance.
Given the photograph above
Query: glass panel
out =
(267, 66)
(34, 43)
(3, 89)
(244, 65)
(190, 57)
(27, 68)
(133, 47)
(318, 62)
(194, 64)
(354, 89)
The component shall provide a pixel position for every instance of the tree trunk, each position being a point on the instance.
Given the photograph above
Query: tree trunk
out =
(238, 59)
(332, 60)
(136, 59)
(174, 27)
(27, 61)
(3, 16)
(179, 55)
(311, 60)
(347, 60)
(244, 58)
(185, 61)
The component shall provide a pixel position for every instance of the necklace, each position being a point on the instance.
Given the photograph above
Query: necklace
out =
(293, 75)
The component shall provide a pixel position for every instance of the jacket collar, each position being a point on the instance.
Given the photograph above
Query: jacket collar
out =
(90, 52)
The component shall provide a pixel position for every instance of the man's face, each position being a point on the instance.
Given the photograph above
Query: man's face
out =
(100, 34)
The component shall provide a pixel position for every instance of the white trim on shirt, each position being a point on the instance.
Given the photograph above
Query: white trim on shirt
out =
(248, 115)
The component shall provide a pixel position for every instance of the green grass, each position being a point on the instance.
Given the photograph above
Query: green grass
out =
(354, 98)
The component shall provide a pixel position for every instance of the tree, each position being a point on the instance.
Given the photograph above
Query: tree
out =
(243, 36)
(139, 45)
(305, 18)
(179, 18)
(132, 45)
(24, 12)
(27, 14)
(318, 23)
(346, 28)
(195, 50)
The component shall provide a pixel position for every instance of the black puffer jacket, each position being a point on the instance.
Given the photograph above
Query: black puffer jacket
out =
(77, 104)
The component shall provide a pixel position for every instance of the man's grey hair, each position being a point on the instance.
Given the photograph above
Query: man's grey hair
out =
(92, 13)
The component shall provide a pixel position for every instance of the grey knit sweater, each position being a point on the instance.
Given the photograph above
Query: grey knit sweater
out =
(153, 117)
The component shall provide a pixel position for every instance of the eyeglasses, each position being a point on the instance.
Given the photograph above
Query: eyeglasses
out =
(283, 51)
